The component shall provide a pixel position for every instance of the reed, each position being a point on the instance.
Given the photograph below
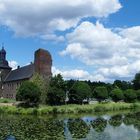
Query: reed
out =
(69, 109)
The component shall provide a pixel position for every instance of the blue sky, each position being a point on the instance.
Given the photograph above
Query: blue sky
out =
(89, 40)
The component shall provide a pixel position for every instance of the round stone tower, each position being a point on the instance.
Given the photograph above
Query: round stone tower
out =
(43, 63)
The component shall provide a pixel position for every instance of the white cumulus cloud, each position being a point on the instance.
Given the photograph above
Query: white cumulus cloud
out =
(43, 17)
(13, 64)
(115, 54)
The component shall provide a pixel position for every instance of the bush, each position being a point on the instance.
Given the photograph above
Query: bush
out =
(101, 93)
(29, 93)
(130, 95)
(117, 94)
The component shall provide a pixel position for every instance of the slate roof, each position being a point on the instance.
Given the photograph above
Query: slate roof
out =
(25, 72)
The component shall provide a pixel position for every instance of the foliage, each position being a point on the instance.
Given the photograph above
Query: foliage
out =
(123, 85)
(6, 100)
(117, 94)
(58, 82)
(130, 95)
(56, 92)
(101, 93)
(79, 92)
(136, 81)
(29, 93)
(40, 82)
(69, 109)
(138, 94)
(56, 96)
(31, 128)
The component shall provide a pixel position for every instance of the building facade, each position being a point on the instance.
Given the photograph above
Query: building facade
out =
(10, 79)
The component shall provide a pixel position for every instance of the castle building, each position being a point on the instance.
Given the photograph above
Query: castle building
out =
(10, 79)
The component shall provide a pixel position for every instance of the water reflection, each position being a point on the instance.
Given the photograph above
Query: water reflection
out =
(116, 120)
(126, 127)
(10, 138)
(78, 128)
(99, 124)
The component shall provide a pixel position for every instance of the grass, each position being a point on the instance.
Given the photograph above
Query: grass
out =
(6, 100)
(70, 109)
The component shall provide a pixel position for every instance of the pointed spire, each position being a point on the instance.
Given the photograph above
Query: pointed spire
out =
(2, 46)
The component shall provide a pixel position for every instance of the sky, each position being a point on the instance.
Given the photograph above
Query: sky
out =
(97, 40)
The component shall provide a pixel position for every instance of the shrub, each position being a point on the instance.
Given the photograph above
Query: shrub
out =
(130, 95)
(29, 94)
(117, 94)
(101, 93)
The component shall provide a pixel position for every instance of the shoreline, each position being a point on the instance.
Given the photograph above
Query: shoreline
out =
(70, 109)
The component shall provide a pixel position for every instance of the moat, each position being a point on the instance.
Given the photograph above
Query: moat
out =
(125, 126)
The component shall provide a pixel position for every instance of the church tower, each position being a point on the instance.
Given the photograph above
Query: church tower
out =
(4, 66)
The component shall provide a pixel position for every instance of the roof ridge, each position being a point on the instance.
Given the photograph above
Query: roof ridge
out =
(23, 67)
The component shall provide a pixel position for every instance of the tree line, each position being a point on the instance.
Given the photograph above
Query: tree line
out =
(60, 91)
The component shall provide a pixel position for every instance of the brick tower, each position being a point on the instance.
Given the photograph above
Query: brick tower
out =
(43, 63)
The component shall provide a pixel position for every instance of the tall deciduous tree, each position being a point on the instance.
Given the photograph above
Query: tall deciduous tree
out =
(136, 81)
(101, 93)
(130, 95)
(42, 84)
(56, 92)
(79, 92)
(117, 94)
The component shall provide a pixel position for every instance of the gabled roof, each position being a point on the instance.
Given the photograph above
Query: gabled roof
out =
(22, 73)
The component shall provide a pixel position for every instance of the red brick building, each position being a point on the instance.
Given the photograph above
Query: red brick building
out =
(10, 79)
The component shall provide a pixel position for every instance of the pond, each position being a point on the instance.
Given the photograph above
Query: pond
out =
(124, 126)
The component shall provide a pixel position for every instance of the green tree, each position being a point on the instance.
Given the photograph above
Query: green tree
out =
(130, 95)
(29, 93)
(79, 92)
(138, 94)
(56, 92)
(123, 85)
(40, 82)
(58, 82)
(136, 81)
(100, 93)
(117, 94)
(56, 96)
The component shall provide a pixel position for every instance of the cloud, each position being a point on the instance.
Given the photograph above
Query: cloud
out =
(114, 54)
(79, 74)
(44, 17)
(71, 74)
(13, 64)
(53, 37)
(132, 33)
(94, 44)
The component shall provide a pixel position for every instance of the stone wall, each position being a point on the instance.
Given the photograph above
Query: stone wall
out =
(10, 89)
